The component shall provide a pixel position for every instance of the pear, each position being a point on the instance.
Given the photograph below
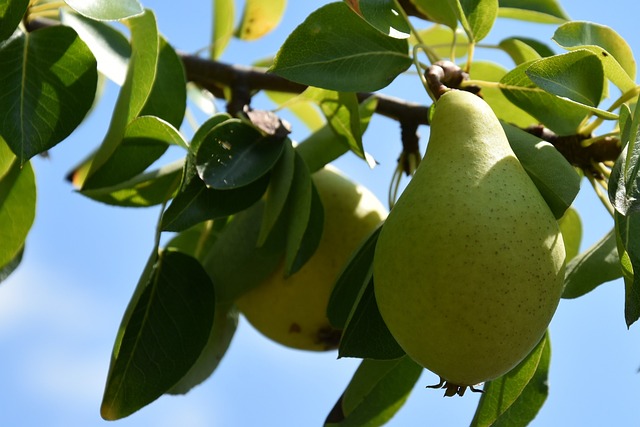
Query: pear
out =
(469, 265)
(292, 310)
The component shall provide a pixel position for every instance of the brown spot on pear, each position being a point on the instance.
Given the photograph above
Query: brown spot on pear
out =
(469, 265)
(292, 310)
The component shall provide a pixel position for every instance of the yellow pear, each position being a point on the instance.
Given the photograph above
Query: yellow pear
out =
(292, 310)
(469, 265)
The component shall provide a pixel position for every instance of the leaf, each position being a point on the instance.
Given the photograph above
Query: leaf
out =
(476, 16)
(106, 10)
(144, 190)
(47, 87)
(515, 398)
(356, 274)
(614, 52)
(519, 50)
(224, 327)
(259, 18)
(17, 209)
(196, 203)
(145, 139)
(7, 269)
(366, 335)
(597, 265)
(277, 192)
(11, 13)
(223, 19)
(571, 228)
(561, 115)
(627, 229)
(384, 16)
(336, 49)
(624, 182)
(541, 11)
(109, 46)
(304, 110)
(234, 261)
(441, 40)
(441, 12)
(204, 129)
(235, 154)
(168, 328)
(577, 75)
(135, 91)
(376, 392)
(555, 178)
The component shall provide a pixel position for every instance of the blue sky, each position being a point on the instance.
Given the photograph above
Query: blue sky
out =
(60, 311)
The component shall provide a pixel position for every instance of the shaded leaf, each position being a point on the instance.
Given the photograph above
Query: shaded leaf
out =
(627, 229)
(11, 13)
(515, 398)
(624, 182)
(577, 75)
(542, 11)
(234, 154)
(336, 49)
(555, 178)
(571, 229)
(196, 203)
(47, 87)
(597, 265)
(259, 18)
(106, 10)
(441, 12)
(167, 330)
(204, 130)
(222, 28)
(376, 392)
(17, 209)
(366, 335)
(356, 274)
(477, 17)
(384, 16)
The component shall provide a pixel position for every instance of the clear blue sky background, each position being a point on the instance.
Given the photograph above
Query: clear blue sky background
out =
(60, 311)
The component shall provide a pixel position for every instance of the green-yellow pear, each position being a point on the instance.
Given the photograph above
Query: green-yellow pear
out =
(292, 310)
(469, 265)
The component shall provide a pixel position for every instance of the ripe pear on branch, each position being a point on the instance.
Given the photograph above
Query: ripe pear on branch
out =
(292, 310)
(469, 265)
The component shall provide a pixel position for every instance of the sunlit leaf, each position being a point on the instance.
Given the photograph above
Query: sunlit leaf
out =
(336, 49)
(259, 18)
(11, 13)
(571, 228)
(542, 11)
(167, 330)
(106, 10)
(624, 182)
(440, 40)
(7, 269)
(47, 87)
(384, 16)
(476, 16)
(518, 50)
(376, 392)
(222, 28)
(438, 11)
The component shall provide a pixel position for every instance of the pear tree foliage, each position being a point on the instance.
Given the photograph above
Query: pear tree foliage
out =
(331, 72)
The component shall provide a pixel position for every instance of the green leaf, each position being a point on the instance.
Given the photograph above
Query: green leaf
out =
(7, 269)
(504, 109)
(168, 328)
(624, 182)
(571, 228)
(627, 229)
(376, 392)
(204, 129)
(304, 110)
(614, 52)
(441, 40)
(541, 11)
(597, 265)
(384, 16)
(515, 398)
(109, 46)
(234, 261)
(519, 50)
(144, 190)
(47, 87)
(366, 335)
(222, 31)
(106, 10)
(561, 115)
(11, 13)
(441, 12)
(137, 87)
(555, 178)
(278, 191)
(225, 323)
(259, 18)
(336, 49)
(145, 139)
(235, 154)
(476, 16)
(577, 75)
(17, 209)
(356, 274)
(197, 203)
